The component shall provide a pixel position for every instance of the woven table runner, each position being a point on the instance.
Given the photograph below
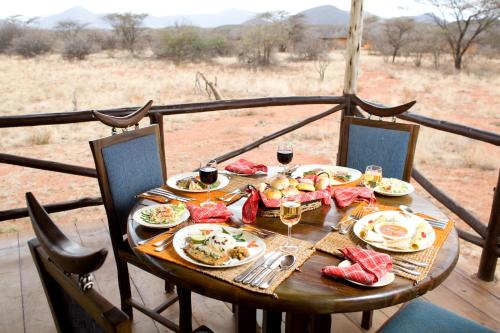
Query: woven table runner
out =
(305, 250)
(334, 241)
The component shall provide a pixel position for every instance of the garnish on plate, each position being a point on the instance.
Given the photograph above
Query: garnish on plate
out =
(165, 214)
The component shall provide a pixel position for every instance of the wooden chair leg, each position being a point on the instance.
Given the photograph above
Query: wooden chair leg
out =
(296, 323)
(271, 321)
(366, 320)
(185, 324)
(124, 287)
(234, 308)
(169, 287)
(246, 319)
(321, 323)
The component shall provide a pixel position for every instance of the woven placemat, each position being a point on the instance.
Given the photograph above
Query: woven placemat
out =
(306, 249)
(334, 241)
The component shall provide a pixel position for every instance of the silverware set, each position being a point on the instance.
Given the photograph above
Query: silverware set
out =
(169, 195)
(231, 195)
(403, 265)
(263, 271)
(436, 223)
(343, 227)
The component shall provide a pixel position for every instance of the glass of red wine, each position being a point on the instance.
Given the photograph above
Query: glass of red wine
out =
(208, 176)
(285, 155)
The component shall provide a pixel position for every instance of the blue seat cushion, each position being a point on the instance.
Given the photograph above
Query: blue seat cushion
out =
(380, 146)
(420, 316)
(132, 167)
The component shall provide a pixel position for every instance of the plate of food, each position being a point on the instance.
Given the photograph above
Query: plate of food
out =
(394, 187)
(190, 182)
(211, 245)
(338, 175)
(391, 230)
(388, 278)
(162, 216)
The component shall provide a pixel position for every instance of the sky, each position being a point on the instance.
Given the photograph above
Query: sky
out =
(31, 8)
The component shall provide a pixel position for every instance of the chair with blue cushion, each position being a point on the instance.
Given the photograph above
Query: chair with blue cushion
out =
(389, 144)
(128, 164)
(420, 316)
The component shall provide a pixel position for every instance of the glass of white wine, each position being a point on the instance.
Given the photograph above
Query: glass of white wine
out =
(290, 213)
(371, 179)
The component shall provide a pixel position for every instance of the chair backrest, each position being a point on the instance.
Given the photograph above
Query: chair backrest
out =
(127, 164)
(74, 307)
(388, 144)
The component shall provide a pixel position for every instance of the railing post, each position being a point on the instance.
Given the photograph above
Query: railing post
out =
(157, 118)
(489, 257)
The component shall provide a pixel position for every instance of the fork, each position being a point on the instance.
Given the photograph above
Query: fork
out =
(354, 218)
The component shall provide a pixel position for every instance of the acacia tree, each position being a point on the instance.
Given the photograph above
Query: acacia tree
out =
(128, 27)
(397, 32)
(470, 18)
(70, 29)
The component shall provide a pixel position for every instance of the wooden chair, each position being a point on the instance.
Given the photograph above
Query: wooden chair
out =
(64, 268)
(128, 164)
(388, 144)
(420, 316)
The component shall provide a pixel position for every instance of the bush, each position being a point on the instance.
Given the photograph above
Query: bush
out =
(31, 44)
(9, 29)
(77, 49)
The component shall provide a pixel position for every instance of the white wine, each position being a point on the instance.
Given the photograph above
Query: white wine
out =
(290, 212)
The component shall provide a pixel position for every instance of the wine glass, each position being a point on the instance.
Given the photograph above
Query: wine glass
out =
(285, 155)
(371, 179)
(290, 213)
(208, 176)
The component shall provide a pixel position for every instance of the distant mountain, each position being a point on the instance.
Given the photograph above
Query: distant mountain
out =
(327, 14)
(227, 17)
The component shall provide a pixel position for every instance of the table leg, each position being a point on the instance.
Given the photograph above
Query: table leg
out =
(245, 319)
(296, 322)
(366, 320)
(321, 323)
(185, 323)
(271, 321)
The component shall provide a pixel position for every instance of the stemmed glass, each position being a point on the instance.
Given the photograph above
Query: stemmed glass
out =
(208, 176)
(290, 213)
(285, 155)
(371, 179)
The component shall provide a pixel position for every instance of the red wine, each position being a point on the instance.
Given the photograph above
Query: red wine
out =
(285, 156)
(208, 175)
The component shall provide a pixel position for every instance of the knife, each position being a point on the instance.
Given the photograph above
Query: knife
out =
(170, 194)
(261, 268)
(259, 279)
(253, 267)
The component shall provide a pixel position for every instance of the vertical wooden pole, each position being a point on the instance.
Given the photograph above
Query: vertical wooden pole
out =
(353, 47)
(156, 118)
(489, 258)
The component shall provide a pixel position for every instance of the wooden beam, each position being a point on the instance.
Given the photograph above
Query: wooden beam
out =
(451, 204)
(353, 47)
(51, 208)
(488, 262)
(277, 134)
(85, 116)
(47, 165)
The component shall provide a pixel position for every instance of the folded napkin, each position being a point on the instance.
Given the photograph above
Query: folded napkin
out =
(245, 167)
(368, 266)
(344, 196)
(211, 214)
(250, 207)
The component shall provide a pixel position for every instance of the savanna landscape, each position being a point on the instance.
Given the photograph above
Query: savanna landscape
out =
(111, 78)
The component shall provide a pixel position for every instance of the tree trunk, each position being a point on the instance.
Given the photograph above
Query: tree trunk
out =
(394, 54)
(458, 62)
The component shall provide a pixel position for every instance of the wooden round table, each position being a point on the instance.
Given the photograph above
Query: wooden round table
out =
(306, 294)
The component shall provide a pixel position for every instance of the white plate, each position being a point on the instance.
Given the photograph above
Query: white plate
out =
(258, 173)
(172, 181)
(138, 218)
(179, 243)
(384, 281)
(412, 224)
(355, 174)
(409, 190)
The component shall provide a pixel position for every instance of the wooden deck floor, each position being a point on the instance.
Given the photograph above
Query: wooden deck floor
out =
(24, 307)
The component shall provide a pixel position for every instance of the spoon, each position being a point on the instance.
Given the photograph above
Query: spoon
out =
(286, 263)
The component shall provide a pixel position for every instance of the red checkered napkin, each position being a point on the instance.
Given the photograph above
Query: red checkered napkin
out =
(368, 268)
(243, 166)
(345, 196)
(211, 214)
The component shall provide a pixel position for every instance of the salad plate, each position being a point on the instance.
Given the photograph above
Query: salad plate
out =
(162, 216)
(217, 246)
(392, 231)
(189, 182)
(338, 175)
(388, 278)
(394, 187)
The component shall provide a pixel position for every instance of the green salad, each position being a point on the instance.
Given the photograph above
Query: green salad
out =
(165, 214)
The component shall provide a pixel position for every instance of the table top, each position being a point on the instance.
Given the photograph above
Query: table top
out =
(307, 291)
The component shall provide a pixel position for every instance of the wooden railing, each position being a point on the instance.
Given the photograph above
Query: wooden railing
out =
(488, 235)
